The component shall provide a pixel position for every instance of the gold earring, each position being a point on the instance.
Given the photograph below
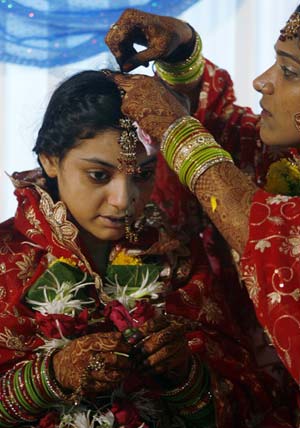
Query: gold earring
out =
(297, 121)
(130, 234)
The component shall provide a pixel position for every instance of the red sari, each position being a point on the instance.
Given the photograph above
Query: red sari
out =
(244, 392)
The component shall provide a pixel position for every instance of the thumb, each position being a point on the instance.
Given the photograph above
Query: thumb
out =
(127, 81)
(142, 58)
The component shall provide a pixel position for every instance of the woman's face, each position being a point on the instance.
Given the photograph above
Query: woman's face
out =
(280, 102)
(95, 192)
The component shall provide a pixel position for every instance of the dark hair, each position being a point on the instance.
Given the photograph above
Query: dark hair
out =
(81, 107)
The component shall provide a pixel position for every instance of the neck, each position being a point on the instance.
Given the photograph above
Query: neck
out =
(97, 251)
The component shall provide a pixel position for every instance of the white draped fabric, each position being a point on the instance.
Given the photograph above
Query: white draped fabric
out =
(238, 35)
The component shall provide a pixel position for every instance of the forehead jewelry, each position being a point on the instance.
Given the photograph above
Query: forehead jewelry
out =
(292, 27)
(128, 141)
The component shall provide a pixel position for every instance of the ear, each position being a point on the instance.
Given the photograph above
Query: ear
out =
(50, 164)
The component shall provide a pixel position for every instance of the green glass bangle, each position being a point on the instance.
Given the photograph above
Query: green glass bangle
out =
(30, 387)
(19, 394)
(5, 414)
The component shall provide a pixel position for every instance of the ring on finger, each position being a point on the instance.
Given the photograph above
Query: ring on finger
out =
(96, 363)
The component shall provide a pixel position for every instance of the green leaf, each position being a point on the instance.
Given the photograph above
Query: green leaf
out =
(132, 276)
(63, 272)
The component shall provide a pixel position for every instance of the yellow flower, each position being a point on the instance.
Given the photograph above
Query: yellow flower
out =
(122, 258)
(283, 177)
(63, 260)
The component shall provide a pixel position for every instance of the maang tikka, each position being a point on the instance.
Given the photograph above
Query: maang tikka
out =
(128, 141)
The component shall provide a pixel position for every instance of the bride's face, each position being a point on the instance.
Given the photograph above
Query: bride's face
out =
(95, 191)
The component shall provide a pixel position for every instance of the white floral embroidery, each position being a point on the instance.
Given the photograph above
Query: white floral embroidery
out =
(274, 298)
(262, 245)
(291, 243)
(277, 199)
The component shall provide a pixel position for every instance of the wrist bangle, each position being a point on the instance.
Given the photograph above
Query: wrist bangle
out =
(184, 72)
(190, 150)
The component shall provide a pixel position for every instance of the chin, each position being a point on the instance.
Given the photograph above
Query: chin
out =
(110, 236)
(269, 139)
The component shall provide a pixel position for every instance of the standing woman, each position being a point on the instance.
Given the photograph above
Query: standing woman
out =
(262, 227)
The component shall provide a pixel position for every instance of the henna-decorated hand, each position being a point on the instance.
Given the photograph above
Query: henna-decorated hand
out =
(166, 38)
(149, 103)
(93, 363)
(165, 350)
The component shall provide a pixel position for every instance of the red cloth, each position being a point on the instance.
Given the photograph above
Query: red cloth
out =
(271, 269)
(221, 330)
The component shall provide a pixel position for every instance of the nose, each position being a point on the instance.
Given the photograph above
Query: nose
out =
(122, 194)
(264, 83)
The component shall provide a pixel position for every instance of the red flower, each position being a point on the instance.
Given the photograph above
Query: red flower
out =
(53, 325)
(50, 420)
(143, 311)
(127, 415)
(119, 315)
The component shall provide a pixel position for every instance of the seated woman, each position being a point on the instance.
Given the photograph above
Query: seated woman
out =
(110, 316)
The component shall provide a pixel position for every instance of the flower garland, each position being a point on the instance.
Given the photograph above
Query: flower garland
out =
(283, 176)
(64, 311)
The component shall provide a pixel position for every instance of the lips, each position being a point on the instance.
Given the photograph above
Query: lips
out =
(113, 219)
(264, 112)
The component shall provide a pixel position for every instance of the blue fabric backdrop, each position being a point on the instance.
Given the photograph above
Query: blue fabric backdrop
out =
(48, 33)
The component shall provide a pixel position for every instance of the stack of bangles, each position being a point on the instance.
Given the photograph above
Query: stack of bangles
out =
(184, 72)
(193, 399)
(28, 390)
(190, 150)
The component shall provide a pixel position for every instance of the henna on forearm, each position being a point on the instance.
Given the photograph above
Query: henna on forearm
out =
(233, 193)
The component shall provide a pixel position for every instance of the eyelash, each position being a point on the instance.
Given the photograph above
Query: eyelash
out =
(287, 72)
(104, 176)
(144, 175)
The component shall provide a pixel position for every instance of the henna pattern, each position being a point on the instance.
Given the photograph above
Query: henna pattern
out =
(150, 103)
(160, 34)
(234, 193)
(166, 351)
(71, 362)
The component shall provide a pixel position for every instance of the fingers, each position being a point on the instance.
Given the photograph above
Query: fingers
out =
(128, 81)
(130, 28)
(108, 367)
(154, 325)
(158, 340)
(165, 350)
(105, 342)
(141, 58)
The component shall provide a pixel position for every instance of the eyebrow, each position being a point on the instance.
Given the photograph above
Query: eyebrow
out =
(286, 54)
(99, 162)
(110, 165)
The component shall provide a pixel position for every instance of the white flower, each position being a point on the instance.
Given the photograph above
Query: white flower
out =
(105, 420)
(51, 344)
(128, 298)
(64, 301)
(85, 419)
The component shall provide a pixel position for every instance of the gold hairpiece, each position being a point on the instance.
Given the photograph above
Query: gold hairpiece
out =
(128, 141)
(292, 27)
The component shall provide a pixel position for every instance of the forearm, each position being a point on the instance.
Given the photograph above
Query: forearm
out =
(208, 170)
(226, 194)
(27, 391)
